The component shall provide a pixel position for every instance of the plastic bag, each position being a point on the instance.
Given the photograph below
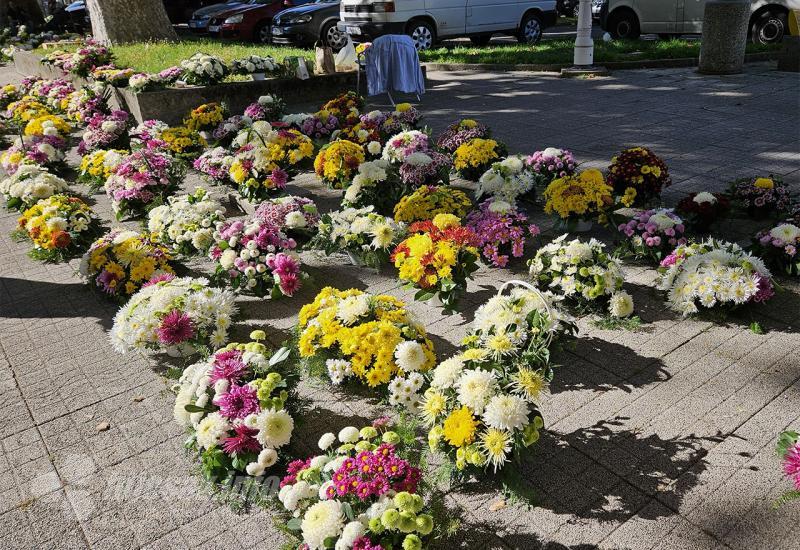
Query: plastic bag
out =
(323, 59)
(346, 59)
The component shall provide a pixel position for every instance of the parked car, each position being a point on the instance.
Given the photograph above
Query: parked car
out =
(198, 23)
(427, 21)
(630, 18)
(305, 25)
(252, 21)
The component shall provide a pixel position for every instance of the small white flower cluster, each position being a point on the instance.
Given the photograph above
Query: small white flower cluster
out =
(203, 69)
(338, 370)
(370, 174)
(183, 312)
(258, 133)
(187, 222)
(404, 391)
(704, 197)
(506, 180)
(404, 144)
(253, 64)
(30, 183)
(359, 230)
(713, 272)
(507, 314)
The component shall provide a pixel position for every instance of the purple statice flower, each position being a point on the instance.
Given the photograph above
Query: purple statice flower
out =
(244, 441)
(237, 402)
(500, 231)
(552, 163)
(175, 328)
(426, 173)
(319, 125)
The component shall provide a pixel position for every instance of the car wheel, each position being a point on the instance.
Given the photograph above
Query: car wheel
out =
(769, 28)
(624, 24)
(262, 33)
(422, 33)
(481, 39)
(332, 36)
(530, 31)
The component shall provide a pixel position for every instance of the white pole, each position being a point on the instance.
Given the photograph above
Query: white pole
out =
(584, 45)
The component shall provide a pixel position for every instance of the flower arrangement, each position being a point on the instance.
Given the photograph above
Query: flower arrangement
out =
(779, 247)
(187, 222)
(28, 184)
(581, 272)
(431, 168)
(86, 58)
(86, 102)
(105, 132)
(474, 157)
(8, 94)
(205, 117)
(404, 118)
(337, 162)
(651, 234)
(578, 198)
(399, 147)
(236, 407)
(54, 93)
(48, 125)
(203, 70)
(437, 258)
(120, 262)
(254, 64)
(700, 210)
(46, 151)
(502, 231)
(59, 227)
(256, 256)
(228, 129)
(376, 184)
(372, 339)
(428, 201)
(112, 75)
(148, 134)
(261, 168)
(713, 273)
(761, 197)
(183, 142)
(368, 238)
(142, 179)
(297, 217)
(268, 108)
(254, 133)
(320, 125)
(361, 495)
(181, 316)
(788, 449)
(460, 133)
(96, 167)
(215, 164)
(638, 176)
(550, 164)
(506, 180)
(345, 107)
(25, 110)
(481, 408)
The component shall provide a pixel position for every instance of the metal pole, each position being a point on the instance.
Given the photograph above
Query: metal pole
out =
(584, 45)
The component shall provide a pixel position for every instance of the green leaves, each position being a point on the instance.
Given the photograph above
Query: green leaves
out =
(279, 356)
(785, 441)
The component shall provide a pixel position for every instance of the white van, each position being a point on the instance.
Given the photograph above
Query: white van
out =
(630, 18)
(427, 21)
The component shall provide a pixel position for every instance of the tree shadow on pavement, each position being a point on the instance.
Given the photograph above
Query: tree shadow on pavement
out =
(598, 365)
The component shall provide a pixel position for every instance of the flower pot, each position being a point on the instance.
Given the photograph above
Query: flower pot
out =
(435, 301)
(355, 259)
(583, 226)
(258, 76)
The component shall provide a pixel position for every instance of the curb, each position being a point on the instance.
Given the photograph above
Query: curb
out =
(611, 65)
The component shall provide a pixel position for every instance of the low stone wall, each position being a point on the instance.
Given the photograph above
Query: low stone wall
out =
(172, 104)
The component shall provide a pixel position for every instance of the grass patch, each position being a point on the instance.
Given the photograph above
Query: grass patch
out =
(633, 324)
(561, 51)
(151, 57)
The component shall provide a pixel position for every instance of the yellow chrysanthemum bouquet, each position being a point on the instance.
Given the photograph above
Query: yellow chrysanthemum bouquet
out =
(205, 117)
(97, 166)
(120, 262)
(437, 259)
(349, 334)
(184, 142)
(637, 176)
(428, 201)
(578, 198)
(481, 407)
(59, 227)
(474, 157)
(338, 162)
(48, 125)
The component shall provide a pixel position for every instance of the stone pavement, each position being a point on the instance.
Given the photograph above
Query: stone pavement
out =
(661, 438)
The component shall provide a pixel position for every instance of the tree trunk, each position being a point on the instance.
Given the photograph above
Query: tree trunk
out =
(120, 21)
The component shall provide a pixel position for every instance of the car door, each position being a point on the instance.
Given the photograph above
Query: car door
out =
(691, 20)
(491, 15)
(658, 16)
(450, 16)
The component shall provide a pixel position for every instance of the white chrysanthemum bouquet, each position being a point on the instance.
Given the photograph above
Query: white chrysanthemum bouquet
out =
(187, 222)
(713, 273)
(29, 184)
(254, 64)
(506, 180)
(481, 407)
(368, 238)
(203, 69)
(583, 272)
(236, 407)
(175, 315)
(362, 494)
